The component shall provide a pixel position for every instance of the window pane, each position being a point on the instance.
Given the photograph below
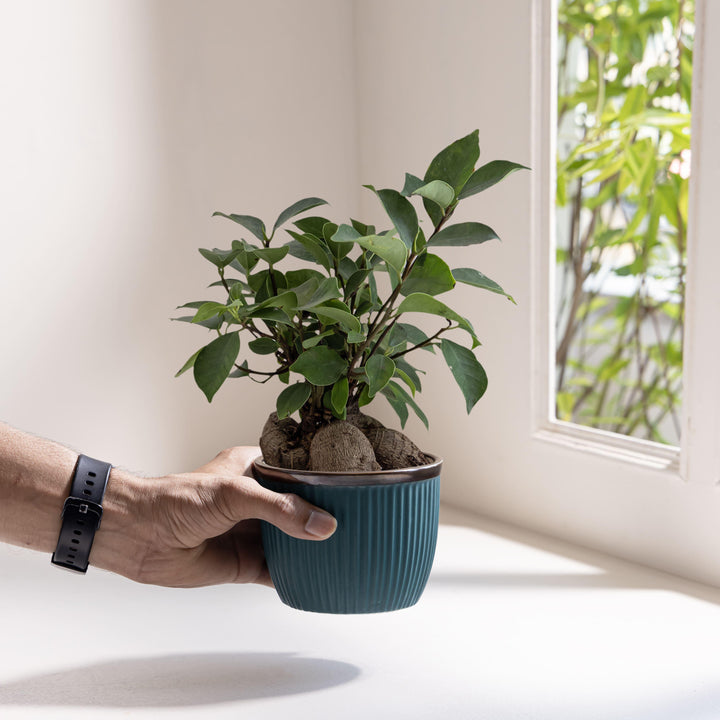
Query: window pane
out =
(624, 83)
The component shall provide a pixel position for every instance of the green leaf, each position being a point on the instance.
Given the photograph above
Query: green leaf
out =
(412, 183)
(327, 290)
(406, 379)
(272, 314)
(402, 214)
(208, 310)
(190, 362)
(292, 398)
(346, 234)
(636, 267)
(220, 258)
(455, 164)
(423, 303)
(355, 337)
(402, 394)
(462, 234)
(397, 403)
(355, 281)
(346, 267)
(469, 276)
(253, 224)
(391, 249)
(413, 334)
(320, 365)
(430, 275)
(305, 291)
(296, 278)
(467, 371)
(362, 228)
(244, 261)
(338, 250)
(379, 370)
(339, 395)
(404, 366)
(296, 208)
(214, 362)
(438, 191)
(271, 255)
(315, 339)
(287, 300)
(312, 225)
(488, 175)
(263, 346)
(635, 102)
(213, 323)
(328, 230)
(308, 248)
(331, 314)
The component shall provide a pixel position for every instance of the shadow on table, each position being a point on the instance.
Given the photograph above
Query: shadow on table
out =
(179, 680)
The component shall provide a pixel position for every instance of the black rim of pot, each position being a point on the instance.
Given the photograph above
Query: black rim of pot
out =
(362, 477)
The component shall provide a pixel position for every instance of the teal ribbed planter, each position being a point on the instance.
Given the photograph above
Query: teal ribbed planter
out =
(380, 556)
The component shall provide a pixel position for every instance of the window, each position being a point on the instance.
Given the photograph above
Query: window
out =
(624, 79)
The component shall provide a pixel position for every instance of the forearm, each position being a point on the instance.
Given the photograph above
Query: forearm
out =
(35, 479)
(182, 530)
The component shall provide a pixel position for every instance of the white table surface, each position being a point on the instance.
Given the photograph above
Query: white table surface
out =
(511, 625)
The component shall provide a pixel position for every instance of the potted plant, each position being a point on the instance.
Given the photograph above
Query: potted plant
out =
(333, 305)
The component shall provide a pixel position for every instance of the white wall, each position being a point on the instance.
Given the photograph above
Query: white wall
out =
(430, 73)
(126, 124)
(123, 126)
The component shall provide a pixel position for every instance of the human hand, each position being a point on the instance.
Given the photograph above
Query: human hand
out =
(203, 527)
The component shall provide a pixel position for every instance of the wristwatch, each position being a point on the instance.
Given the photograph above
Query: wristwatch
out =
(81, 514)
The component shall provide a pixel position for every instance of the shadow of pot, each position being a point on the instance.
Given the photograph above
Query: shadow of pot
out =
(379, 558)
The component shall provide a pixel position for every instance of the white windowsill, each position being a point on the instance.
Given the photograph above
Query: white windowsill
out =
(512, 625)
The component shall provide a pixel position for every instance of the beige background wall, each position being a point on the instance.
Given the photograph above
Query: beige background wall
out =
(126, 124)
(447, 69)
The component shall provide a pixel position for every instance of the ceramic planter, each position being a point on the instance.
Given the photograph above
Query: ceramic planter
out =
(380, 556)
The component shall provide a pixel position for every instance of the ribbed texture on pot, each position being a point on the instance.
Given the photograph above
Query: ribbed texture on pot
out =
(378, 559)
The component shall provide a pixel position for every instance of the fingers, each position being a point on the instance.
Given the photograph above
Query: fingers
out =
(287, 511)
(233, 461)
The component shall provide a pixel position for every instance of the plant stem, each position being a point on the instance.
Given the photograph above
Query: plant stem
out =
(424, 343)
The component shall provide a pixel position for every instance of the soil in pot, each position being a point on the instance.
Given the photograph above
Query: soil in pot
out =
(323, 444)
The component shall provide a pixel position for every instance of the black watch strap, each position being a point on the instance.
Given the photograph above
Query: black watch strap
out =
(81, 514)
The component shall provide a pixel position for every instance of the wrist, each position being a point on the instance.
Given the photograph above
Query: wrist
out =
(123, 537)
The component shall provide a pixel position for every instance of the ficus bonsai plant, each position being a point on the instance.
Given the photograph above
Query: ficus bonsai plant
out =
(341, 328)
(333, 304)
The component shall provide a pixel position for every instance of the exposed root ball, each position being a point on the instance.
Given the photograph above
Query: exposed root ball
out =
(280, 446)
(341, 447)
(395, 450)
(363, 422)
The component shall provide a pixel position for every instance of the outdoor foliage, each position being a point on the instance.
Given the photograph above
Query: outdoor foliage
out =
(338, 333)
(624, 86)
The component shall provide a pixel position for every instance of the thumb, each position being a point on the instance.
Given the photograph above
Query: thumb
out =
(287, 511)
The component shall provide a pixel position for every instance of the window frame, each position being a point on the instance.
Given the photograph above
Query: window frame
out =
(697, 437)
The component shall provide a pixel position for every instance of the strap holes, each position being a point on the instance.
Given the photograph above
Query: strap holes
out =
(77, 532)
(79, 522)
(87, 492)
(92, 474)
(76, 542)
(89, 482)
